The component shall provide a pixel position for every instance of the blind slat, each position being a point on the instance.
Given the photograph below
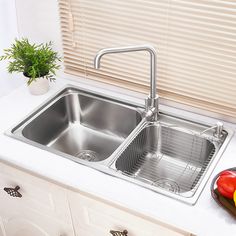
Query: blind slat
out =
(195, 41)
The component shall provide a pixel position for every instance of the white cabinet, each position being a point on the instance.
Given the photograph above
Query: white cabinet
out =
(41, 211)
(29, 223)
(96, 218)
(2, 231)
(46, 209)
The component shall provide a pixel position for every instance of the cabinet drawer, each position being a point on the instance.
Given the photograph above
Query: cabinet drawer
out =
(37, 194)
(92, 217)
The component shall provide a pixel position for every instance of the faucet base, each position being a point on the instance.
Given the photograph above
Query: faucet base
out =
(151, 105)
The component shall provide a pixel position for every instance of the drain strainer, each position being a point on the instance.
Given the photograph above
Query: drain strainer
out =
(167, 184)
(87, 155)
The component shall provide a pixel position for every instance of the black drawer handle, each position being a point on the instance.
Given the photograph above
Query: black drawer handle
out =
(119, 233)
(13, 192)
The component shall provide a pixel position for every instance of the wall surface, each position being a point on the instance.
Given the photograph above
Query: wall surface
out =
(36, 20)
(39, 21)
(8, 32)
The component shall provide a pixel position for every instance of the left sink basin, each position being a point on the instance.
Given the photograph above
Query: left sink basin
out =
(79, 124)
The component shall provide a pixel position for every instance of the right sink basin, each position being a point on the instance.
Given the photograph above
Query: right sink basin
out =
(171, 156)
(166, 158)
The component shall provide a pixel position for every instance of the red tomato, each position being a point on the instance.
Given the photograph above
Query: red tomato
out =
(226, 184)
(228, 173)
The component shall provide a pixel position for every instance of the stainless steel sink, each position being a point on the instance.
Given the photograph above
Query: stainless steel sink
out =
(167, 158)
(170, 155)
(83, 125)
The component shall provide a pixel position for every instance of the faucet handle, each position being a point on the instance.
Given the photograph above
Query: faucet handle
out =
(151, 112)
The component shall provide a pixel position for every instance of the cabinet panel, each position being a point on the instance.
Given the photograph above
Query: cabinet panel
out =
(42, 210)
(98, 218)
(2, 231)
(37, 194)
(29, 223)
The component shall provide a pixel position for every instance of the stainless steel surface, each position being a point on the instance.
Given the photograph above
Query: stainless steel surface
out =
(218, 133)
(152, 100)
(167, 157)
(81, 125)
(172, 156)
(219, 129)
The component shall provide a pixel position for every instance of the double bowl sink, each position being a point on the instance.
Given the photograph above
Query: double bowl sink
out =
(171, 156)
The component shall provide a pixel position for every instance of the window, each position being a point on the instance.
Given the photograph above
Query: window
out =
(195, 42)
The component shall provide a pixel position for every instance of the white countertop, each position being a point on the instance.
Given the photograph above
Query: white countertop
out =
(205, 218)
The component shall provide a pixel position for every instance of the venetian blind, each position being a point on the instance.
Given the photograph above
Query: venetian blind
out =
(195, 42)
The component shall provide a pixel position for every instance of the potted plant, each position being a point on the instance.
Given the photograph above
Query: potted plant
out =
(37, 62)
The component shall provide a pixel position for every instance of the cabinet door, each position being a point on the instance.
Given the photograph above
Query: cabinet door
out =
(37, 194)
(29, 223)
(41, 210)
(2, 231)
(95, 218)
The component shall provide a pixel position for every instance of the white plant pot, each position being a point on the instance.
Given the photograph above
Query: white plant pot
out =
(39, 86)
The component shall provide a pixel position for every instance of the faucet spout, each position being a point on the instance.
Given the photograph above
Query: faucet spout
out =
(152, 100)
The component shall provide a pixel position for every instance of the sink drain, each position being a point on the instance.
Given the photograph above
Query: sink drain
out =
(87, 155)
(167, 184)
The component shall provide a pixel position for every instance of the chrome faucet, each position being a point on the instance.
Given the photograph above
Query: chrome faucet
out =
(151, 102)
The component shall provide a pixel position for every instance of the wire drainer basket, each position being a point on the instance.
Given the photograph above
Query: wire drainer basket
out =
(167, 157)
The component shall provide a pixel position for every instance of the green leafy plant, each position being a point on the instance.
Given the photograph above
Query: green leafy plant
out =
(32, 60)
